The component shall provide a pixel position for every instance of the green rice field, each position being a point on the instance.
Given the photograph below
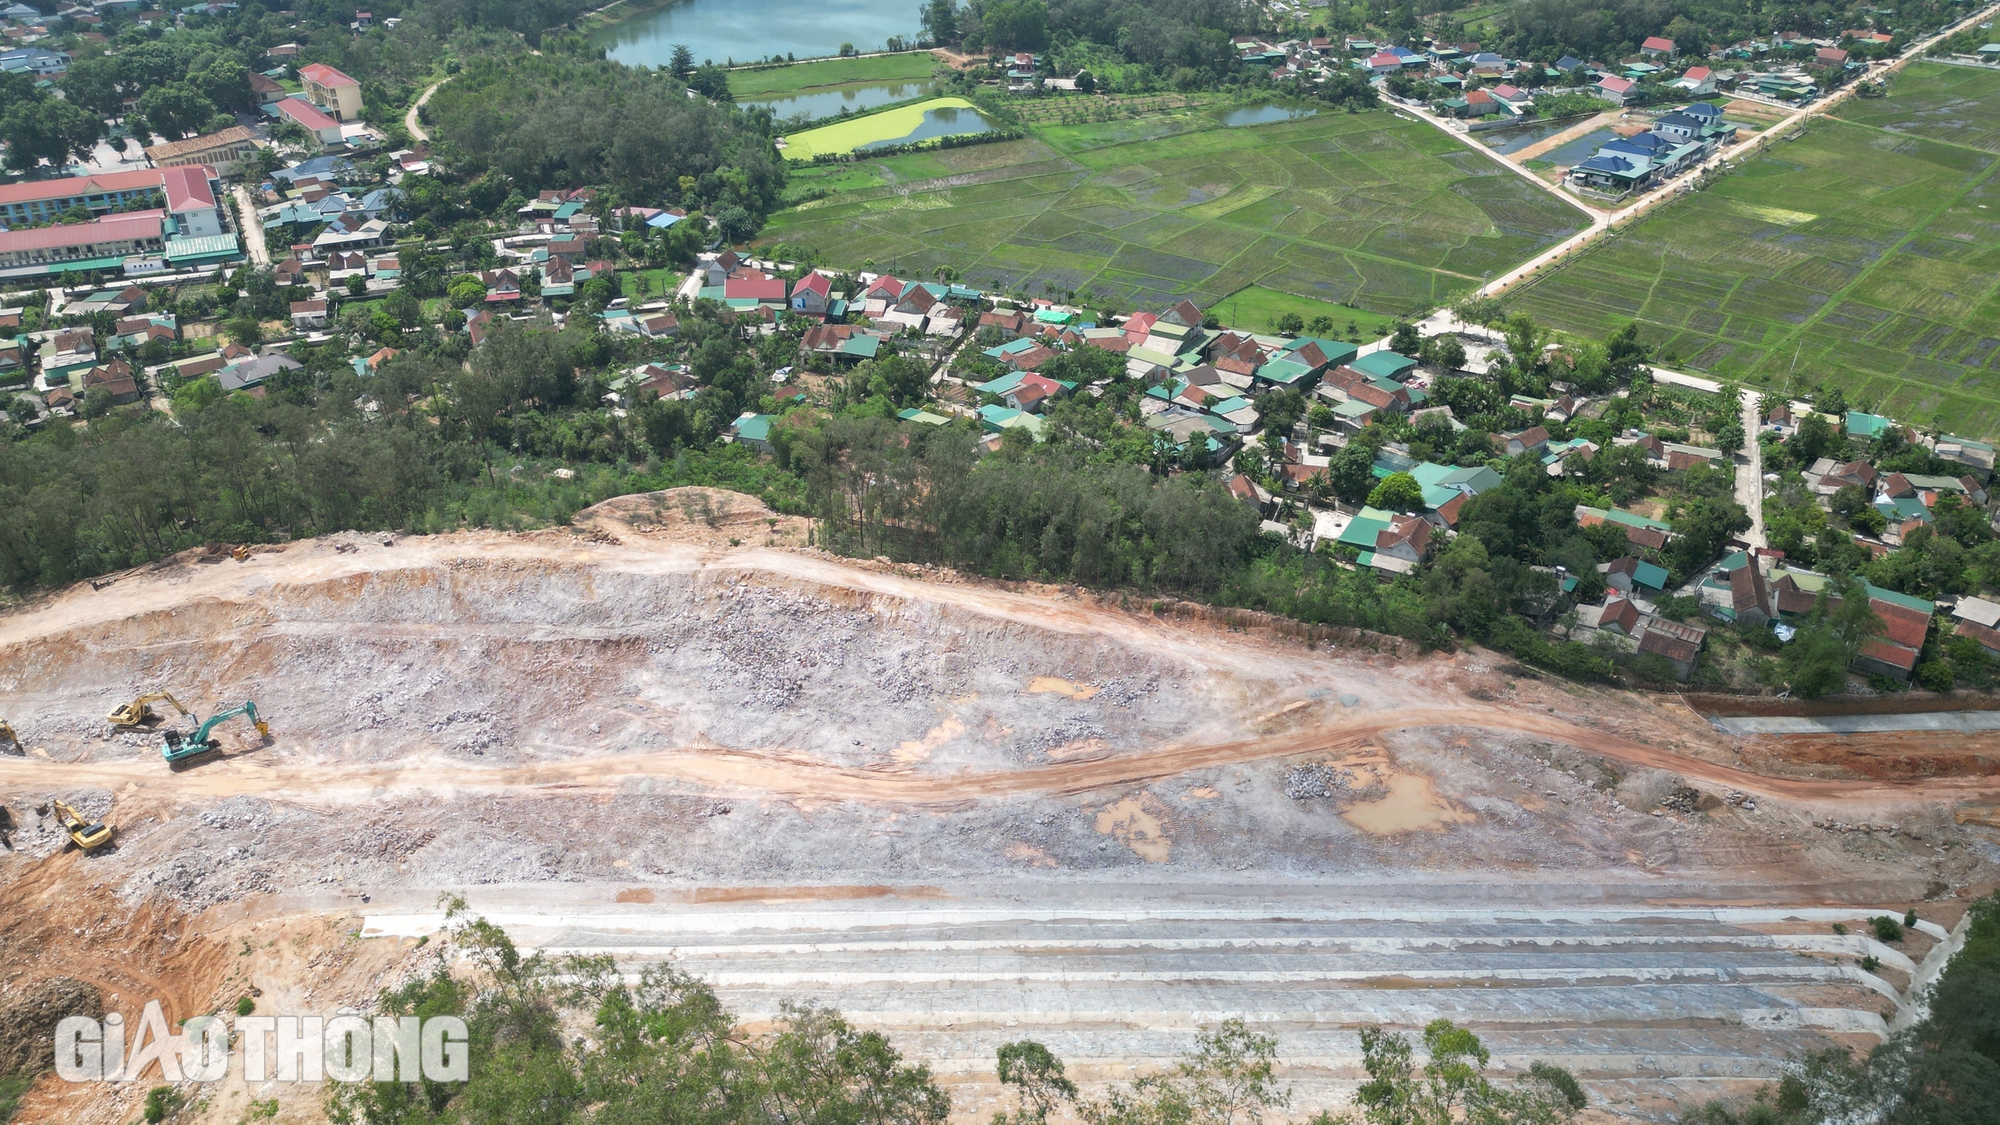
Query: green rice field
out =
(1366, 210)
(1865, 254)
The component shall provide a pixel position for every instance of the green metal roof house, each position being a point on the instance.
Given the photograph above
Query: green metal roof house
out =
(1388, 365)
(1870, 426)
(913, 414)
(1362, 531)
(753, 430)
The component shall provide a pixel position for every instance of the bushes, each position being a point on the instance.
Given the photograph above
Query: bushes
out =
(1886, 928)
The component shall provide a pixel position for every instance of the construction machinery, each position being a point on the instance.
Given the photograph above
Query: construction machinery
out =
(85, 834)
(138, 714)
(179, 748)
(9, 740)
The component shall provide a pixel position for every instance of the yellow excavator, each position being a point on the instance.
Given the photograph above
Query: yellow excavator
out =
(85, 834)
(138, 714)
(8, 739)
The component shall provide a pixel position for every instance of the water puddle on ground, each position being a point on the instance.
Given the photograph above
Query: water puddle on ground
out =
(1413, 805)
(1052, 685)
(1135, 823)
(920, 750)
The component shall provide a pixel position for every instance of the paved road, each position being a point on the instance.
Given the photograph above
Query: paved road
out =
(253, 231)
(1750, 473)
(417, 131)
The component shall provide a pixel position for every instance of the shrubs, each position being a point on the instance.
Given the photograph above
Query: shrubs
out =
(1886, 928)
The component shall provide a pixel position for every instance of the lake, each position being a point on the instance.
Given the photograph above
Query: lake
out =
(1580, 149)
(826, 103)
(748, 30)
(1265, 114)
(1514, 138)
(945, 121)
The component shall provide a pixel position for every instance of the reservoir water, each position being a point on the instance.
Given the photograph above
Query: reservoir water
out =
(747, 30)
(1266, 114)
(944, 121)
(826, 103)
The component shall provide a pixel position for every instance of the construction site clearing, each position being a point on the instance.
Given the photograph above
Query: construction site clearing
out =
(961, 811)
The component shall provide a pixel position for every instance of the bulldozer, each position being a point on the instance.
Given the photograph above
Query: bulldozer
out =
(139, 714)
(86, 835)
(179, 748)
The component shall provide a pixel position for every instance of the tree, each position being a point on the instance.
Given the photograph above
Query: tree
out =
(1816, 660)
(1289, 324)
(1442, 352)
(1398, 492)
(466, 292)
(357, 285)
(1405, 341)
(176, 109)
(1351, 472)
(1037, 1077)
(1475, 309)
(682, 65)
(1452, 1086)
(735, 224)
(940, 21)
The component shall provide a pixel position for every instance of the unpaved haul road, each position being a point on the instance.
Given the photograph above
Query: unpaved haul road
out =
(787, 776)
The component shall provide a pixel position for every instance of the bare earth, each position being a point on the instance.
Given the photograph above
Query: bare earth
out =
(962, 811)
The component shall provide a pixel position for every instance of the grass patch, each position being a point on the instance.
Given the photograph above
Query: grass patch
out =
(1365, 211)
(1257, 309)
(888, 125)
(1862, 255)
(13, 1087)
(778, 81)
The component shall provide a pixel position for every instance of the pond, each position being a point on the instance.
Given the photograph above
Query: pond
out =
(944, 121)
(746, 30)
(825, 103)
(1580, 149)
(1266, 114)
(1514, 138)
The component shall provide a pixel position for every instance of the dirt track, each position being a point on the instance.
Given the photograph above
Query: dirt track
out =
(776, 773)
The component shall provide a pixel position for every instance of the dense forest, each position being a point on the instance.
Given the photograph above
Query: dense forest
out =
(1167, 34)
(565, 118)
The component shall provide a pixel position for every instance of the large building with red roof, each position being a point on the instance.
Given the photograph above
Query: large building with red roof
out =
(332, 91)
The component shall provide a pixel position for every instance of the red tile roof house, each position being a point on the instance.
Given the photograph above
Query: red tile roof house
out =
(308, 314)
(116, 378)
(1615, 88)
(1031, 392)
(762, 289)
(812, 294)
(1655, 46)
(1832, 56)
(501, 285)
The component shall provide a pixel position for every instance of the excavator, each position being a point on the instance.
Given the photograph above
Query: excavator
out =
(8, 739)
(179, 748)
(138, 714)
(86, 835)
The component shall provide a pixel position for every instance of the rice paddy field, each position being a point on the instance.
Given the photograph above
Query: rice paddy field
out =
(1368, 210)
(1865, 253)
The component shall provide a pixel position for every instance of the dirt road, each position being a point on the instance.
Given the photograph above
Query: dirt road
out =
(788, 774)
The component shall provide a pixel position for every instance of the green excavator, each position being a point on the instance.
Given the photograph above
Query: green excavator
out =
(179, 748)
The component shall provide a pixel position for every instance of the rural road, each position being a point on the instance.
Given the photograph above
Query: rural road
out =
(416, 130)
